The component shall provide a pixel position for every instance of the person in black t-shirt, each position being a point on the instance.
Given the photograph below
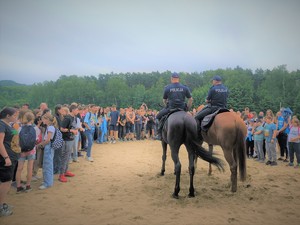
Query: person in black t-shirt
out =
(8, 158)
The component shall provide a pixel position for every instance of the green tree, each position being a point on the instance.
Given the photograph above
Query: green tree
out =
(261, 90)
(117, 92)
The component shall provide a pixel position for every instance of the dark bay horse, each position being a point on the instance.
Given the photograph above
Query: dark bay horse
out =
(181, 128)
(229, 131)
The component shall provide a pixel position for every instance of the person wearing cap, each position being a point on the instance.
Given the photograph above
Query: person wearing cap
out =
(216, 99)
(174, 97)
(282, 125)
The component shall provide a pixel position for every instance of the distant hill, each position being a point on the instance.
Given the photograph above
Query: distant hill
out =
(10, 83)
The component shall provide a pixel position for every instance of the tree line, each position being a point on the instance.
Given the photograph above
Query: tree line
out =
(259, 90)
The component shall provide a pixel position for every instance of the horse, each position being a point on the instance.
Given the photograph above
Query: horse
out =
(229, 131)
(181, 128)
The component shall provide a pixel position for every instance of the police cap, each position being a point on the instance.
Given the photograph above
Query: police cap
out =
(175, 75)
(217, 78)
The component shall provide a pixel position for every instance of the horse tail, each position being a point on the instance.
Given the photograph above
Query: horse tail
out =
(202, 153)
(199, 150)
(240, 152)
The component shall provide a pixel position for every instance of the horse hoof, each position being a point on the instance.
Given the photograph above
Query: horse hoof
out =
(175, 196)
(162, 173)
(191, 195)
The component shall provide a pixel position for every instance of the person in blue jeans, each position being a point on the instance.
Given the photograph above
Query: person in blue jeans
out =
(90, 121)
(103, 130)
(51, 123)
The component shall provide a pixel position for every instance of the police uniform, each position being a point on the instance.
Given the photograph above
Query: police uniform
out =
(217, 99)
(175, 93)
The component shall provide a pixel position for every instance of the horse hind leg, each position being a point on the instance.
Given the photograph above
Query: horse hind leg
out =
(164, 157)
(233, 168)
(177, 165)
(210, 149)
(191, 172)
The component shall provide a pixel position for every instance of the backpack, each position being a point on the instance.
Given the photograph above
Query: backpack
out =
(27, 138)
(57, 141)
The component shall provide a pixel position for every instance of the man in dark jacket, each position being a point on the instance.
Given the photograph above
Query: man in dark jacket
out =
(174, 98)
(216, 99)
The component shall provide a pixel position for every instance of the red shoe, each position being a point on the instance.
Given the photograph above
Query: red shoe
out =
(69, 174)
(62, 178)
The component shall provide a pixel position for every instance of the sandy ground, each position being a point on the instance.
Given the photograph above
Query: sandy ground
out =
(122, 186)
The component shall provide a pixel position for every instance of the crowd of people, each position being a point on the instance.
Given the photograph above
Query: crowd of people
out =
(78, 127)
(267, 132)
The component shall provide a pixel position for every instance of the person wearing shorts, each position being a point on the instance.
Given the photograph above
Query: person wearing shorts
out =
(114, 124)
(8, 158)
(28, 119)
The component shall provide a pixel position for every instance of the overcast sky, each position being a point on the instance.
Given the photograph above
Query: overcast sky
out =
(41, 40)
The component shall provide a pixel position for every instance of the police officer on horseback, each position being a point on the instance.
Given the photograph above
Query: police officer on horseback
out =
(174, 98)
(216, 99)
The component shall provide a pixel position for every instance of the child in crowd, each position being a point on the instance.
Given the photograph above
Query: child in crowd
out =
(270, 136)
(26, 120)
(249, 138)
(51, 123)
(294, 142)
(258, 136)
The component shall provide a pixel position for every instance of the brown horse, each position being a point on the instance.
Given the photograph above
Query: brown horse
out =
(229, 131)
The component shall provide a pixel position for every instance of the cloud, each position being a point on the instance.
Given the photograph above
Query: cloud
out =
(43, 40)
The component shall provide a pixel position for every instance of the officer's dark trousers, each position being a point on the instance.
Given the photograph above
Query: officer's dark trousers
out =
(205, 111)
(160, 115)
(162, 112)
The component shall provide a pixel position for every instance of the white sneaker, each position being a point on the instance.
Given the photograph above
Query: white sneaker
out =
(114, 142)
(75, 160)
(43, 187)
(90, 159)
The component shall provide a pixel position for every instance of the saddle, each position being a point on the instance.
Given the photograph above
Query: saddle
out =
(209, 119)
(165, 117)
